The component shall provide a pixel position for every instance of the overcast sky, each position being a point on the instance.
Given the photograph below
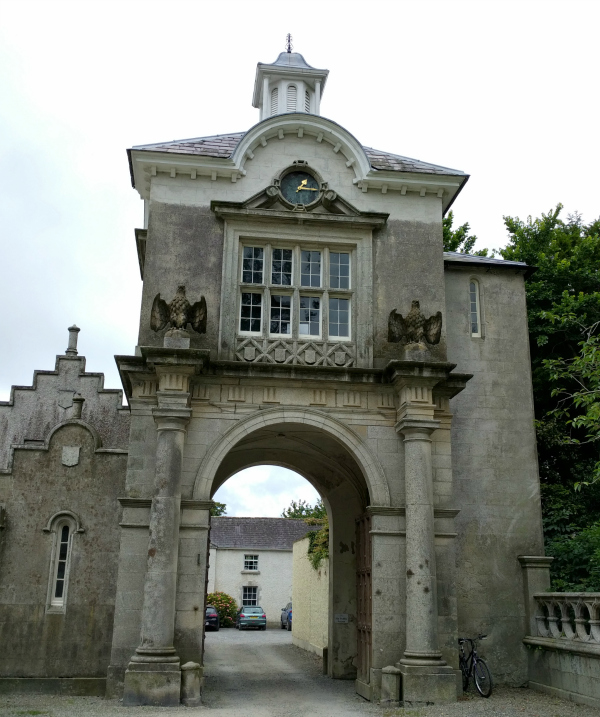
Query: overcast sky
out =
(506, 91)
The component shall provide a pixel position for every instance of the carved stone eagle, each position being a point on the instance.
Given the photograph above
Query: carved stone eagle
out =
(178, 313)
(414, 328)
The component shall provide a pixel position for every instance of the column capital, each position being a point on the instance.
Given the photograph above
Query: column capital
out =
(171, 419)
(416, 428)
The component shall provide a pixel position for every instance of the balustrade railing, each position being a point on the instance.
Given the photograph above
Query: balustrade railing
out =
(569, 616)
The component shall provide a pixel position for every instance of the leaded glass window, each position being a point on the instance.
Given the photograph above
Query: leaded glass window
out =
(474, 306)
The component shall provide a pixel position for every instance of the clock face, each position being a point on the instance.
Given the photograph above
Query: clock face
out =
(299, 188)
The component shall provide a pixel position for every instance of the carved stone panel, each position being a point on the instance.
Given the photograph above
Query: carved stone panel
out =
(307, 353)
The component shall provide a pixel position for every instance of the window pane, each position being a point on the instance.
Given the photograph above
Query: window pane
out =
(281, 270)
(310, 316)
(252, 265)
(474, 308)
(249, 596)
(339, 317)
(339, 270)
(281, 315)
(250, 562)
(58, 593)
(310, 268)
(251, 312)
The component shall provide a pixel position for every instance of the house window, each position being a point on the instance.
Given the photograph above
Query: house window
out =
(310, 268)
(250, 596)
(339, 270)
(281, 268)
(251, 313)
(281, 315)
(310, 316)
(274, 101)
(250, 562)
(295, 293)
(62, 526)
(292, 94)
(252, 265)
(339, 318)
(474, 309)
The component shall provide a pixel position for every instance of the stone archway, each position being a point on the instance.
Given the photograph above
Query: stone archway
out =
(337, 463)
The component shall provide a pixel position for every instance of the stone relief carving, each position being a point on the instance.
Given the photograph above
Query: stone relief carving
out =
(310, 353)
(414, 328)
(179, 313)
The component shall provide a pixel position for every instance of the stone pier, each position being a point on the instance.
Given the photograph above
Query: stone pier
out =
(424, 675)
(153, 676)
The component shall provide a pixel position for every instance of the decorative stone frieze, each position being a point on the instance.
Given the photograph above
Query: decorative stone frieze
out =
(311, 353)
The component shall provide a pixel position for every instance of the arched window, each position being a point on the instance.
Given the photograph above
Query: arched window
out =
(292, 94)
(62, 526)
(307, 101)
(474, 308)
(274, 101)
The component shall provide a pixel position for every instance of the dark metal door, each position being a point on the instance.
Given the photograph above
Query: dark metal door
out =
(363, 593)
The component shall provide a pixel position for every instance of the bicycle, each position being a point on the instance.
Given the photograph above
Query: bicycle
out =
(472, 664)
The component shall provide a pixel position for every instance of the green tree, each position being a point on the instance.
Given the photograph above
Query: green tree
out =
(460, 239)
(218, 509)
(301, 510)
(563, 295)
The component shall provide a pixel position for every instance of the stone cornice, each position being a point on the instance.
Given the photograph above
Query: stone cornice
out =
(231, 210)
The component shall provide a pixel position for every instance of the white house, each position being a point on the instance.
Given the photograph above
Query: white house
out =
(251, 560)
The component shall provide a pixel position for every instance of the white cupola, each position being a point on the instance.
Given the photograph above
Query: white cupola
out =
(290, 84)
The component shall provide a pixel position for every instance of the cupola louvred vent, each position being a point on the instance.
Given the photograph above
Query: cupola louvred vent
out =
(292, 94)
(307, 101)
(274, 101)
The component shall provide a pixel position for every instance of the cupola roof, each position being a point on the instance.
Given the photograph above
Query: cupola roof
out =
(292, 59)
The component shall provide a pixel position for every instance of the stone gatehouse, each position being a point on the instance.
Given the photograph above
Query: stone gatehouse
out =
(298, 309)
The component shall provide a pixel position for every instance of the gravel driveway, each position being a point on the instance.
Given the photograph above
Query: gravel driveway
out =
(254, 673)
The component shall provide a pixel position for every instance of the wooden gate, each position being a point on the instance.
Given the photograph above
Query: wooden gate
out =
(363, 594)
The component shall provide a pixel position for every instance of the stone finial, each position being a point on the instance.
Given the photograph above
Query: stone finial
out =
(78, 400)
(72, 348)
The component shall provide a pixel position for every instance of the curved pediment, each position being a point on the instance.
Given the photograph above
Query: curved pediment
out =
(303, 125)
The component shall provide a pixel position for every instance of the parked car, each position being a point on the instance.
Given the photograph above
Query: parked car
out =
(211, 619)
(286, 617)
(251, 616)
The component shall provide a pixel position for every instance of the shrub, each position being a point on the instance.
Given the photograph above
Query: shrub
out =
(318, 543)
(225, 605)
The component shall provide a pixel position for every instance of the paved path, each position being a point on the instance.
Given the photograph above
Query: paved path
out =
(252, 674)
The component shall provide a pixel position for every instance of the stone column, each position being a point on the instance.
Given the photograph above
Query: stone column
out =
(425, 675)
(153, 676)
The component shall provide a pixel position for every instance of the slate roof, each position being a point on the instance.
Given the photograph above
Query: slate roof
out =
(257, 533)
(223, 146)
(455, 256)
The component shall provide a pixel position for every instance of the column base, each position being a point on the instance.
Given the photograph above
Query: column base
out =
(152, 683)
(426, 685)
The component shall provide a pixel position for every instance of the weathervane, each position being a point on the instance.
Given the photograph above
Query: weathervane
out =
(288, 43)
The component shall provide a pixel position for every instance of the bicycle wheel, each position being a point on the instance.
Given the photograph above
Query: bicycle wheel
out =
(465, 674)
(482, 678)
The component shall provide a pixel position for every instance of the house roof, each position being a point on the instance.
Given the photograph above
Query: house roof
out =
(257, 533)
(223, 145)
(454, 257)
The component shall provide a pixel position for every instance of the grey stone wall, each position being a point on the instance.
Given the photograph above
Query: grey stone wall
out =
(38, 481)
(494, 459)
(76, 642)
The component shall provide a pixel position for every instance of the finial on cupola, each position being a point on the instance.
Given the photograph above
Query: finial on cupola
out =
(288, 43)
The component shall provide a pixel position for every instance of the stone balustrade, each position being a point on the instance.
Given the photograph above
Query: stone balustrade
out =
(568, 616)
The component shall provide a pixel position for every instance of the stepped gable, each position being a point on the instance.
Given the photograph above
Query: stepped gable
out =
(33, 411)
(257, 533)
